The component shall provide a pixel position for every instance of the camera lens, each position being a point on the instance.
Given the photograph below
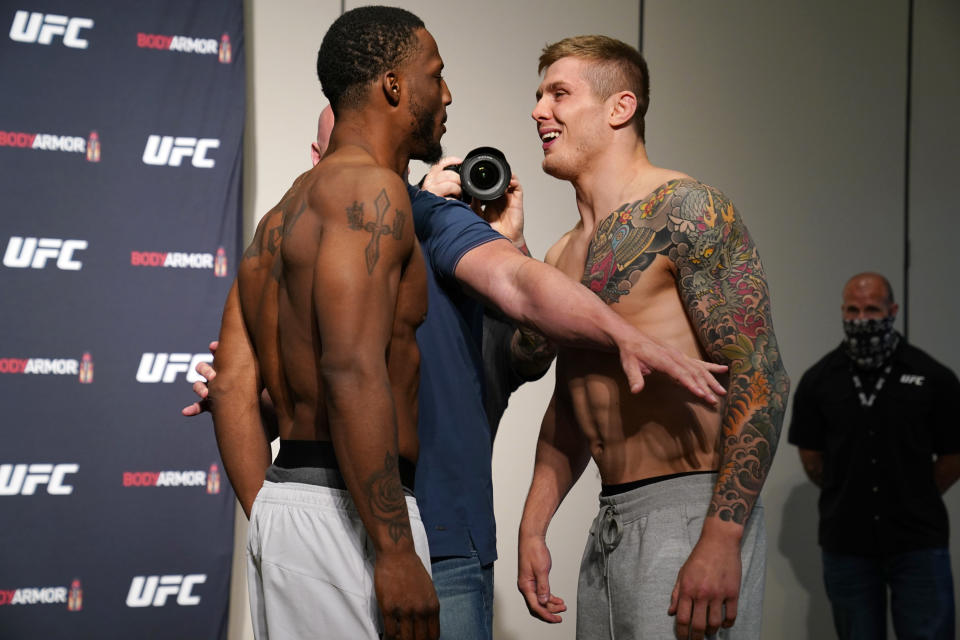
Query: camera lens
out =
(484, 175)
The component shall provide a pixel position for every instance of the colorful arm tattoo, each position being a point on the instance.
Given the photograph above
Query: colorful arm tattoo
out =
(723, 287)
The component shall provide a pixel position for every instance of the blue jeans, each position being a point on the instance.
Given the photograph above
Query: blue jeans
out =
(921, 588)
(465, 590)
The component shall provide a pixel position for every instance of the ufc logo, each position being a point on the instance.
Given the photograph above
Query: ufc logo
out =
(908, 378)
(164, 367)
(33, 252)
(170, 151)
(153, 591)
(22, 479)
(40, 28)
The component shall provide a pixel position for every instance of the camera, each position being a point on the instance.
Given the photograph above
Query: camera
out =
(484, 174)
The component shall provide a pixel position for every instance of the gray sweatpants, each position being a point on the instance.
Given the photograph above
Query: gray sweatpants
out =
(635, 549)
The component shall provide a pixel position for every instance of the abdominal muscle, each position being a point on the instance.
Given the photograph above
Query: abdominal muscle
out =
(662, 430)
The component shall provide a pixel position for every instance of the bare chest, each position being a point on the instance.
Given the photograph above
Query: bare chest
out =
(625, 261)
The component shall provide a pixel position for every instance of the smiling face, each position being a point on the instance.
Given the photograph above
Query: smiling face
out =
(428, 98)
(572, 121)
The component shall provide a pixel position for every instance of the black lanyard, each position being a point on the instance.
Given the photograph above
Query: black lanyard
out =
(867, 401)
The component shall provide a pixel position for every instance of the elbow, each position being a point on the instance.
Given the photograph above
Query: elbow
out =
(344, 373)
(230, 386)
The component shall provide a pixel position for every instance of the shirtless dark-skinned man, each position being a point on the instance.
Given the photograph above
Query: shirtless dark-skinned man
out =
(329, 296)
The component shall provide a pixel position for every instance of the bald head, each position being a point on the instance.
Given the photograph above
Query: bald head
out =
(324, 128)
(868, 295)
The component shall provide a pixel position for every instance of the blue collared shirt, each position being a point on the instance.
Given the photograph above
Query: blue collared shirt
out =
(454, 487)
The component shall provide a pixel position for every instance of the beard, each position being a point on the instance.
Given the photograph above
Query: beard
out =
(426, 141)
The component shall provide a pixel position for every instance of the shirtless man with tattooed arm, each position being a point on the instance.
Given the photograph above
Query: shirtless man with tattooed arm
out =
(680, 530)
(330, 294)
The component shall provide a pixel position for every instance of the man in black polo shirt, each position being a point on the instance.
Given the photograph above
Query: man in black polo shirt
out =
(878, 433)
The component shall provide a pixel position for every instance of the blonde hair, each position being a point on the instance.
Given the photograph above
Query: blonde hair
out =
(616, 66)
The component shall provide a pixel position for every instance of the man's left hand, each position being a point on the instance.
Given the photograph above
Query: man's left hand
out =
(708, 588)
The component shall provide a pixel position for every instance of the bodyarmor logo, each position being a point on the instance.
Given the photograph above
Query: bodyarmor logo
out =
(153, 591)
(24, 479)
(164, 367)
(183, 44)
(170, 151)
(43, 367)
(45, 142)
(180, 260)
(39, 28)
(35, 595)
(196, 478)
(34, 253)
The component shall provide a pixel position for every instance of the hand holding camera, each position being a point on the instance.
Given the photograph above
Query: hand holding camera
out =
(484, 174)
(483, 180)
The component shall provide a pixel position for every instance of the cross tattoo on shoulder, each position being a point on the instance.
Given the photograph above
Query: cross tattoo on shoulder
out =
(375, 228)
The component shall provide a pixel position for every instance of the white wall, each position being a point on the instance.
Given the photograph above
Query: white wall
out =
(794, 109)
(934, 213)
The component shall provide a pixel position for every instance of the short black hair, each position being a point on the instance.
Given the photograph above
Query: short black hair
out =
(359, 46)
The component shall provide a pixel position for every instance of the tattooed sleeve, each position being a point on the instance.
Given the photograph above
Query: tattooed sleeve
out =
(724, 290)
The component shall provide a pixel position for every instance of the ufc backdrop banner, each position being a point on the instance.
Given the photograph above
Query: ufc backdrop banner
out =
(121, 130)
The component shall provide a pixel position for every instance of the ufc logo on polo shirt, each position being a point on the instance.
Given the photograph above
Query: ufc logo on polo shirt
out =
(23, 479)
(34, 253)
(153, 591)
(41, 29)
(170, 151)
(910, 378)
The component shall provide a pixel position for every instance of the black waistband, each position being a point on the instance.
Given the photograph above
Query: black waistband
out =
(295, 454)
(607, 490)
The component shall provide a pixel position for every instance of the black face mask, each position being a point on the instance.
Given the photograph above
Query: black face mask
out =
(870, 343)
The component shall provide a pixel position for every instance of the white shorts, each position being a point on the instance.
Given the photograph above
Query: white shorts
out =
(310, 564)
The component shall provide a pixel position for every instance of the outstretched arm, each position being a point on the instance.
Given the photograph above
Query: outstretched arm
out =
(562, 455)
(530, 352)
(537, 295)
(724, 289)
